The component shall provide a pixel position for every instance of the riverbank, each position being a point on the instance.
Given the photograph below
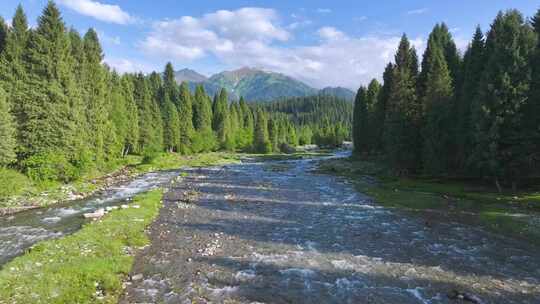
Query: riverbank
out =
(85, 267)
(25, 195)
(512, 214)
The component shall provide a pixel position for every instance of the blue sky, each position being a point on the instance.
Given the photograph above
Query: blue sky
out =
(325, 43)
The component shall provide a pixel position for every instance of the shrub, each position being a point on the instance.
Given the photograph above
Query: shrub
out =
(50, 166)
(12, 182)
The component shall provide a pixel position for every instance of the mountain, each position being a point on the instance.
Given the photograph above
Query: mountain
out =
(256, 85)
(339, 92)
(189, 76)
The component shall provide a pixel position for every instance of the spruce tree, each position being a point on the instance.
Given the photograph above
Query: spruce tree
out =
(381, 107)
(402, 124)
(171, 125)
(261, 143)
(473, 66)
(7, 132)
(185, 110)
(170, 86)
(3, 35)
(12, 70)
(273, 134)
(220, 121)
(531, 110)
(360, 122)
(132, 117)
(149, 141)
(47, 118)
(95, 90)
(204, 139)
(503, 93)
(437, 101)
(372, 99)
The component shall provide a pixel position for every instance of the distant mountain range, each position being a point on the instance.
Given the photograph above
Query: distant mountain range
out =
(256, 85)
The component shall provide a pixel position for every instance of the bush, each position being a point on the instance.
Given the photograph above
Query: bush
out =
(50, 166)
(12, 182)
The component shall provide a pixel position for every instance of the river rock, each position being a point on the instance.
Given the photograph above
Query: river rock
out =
(137, 277)
(95, 215)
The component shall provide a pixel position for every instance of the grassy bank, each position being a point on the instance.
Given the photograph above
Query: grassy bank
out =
(513, 214)
(86, 267)
(18, 192)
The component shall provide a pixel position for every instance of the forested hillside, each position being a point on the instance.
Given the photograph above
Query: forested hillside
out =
(322, 120)
(63, 112)
(476, 115)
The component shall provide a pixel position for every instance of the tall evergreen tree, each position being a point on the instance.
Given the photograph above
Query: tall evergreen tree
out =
(171, 125)
(47, 121)
(473, 66)
(220, 121)
(149, 141)
(132, 117)
(95, 89)
(261, 143)
(402, 124)
(7, 132)
(360, 122)
(3, 35)
(502, 94)
(531, 110)
(437, 101)
(381, 107)
(12, 70)
(204, 139)
(372, 98)
(170, 86)
(186, 119)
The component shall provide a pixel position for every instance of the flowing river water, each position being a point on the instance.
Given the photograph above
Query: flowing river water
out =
(22, 230)
(275, 232)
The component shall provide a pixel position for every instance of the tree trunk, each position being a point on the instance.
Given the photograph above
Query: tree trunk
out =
(499, 188)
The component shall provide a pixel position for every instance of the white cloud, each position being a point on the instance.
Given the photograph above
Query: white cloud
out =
(253, 37)
(330, 33)
(324, 10)
(419, 11)
(123, 65)
(101, 11)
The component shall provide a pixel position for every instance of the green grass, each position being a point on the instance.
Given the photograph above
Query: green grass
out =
(469, 202)
(84, 266)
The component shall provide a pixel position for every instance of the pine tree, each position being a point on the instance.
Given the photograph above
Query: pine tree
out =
(204, 139)
(473, 66)
(7, 132)
(503, 93)
(261, 143)
(437, 101)
(149, 141)
(12, 71)
(3, 35)
(402, 124)
(381, 107)
(95, 89)
(531, 110)
(372, 99)
(171, 125)
(47, 119)
(132, 117)
(170, 86)
(360, 122)
(185, 111)
(220, 121)
(273, 134)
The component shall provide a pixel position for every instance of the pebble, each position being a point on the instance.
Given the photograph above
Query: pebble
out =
(137, 277)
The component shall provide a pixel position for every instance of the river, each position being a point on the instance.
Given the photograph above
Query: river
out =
(275, 232)
(22, 230)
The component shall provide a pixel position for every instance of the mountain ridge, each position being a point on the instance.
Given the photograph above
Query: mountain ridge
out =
(256, 85)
